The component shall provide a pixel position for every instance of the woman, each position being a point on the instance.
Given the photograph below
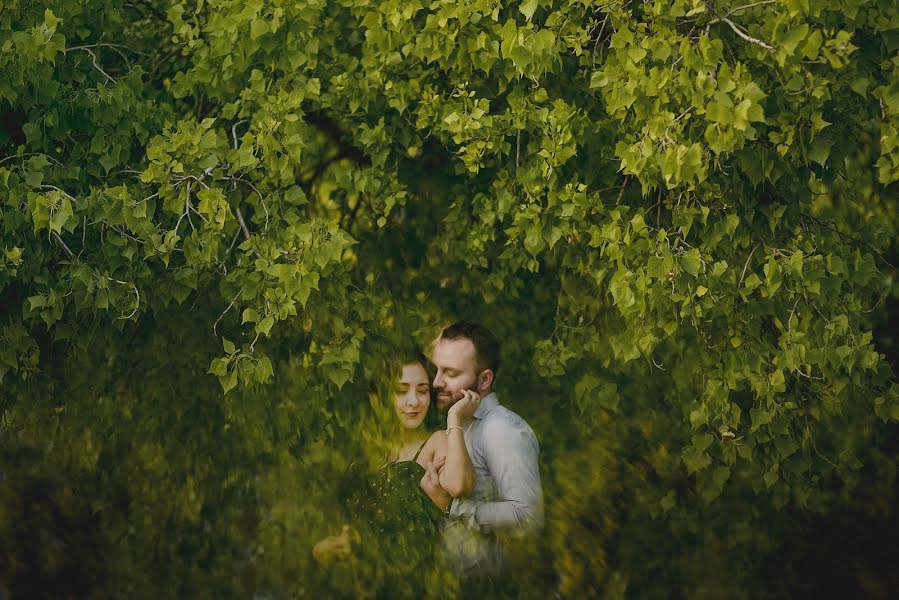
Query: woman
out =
(395, 512)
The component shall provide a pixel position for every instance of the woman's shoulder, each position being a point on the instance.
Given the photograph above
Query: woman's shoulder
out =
(435, 445)
(437, 439)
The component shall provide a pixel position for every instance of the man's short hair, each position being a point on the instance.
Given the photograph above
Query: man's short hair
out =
(486, 347)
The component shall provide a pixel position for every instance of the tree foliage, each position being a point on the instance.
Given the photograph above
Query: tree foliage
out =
(678, 216)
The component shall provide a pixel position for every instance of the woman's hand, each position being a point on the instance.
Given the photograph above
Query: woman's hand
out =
(430, 483)
(334, 547)
(463, 409)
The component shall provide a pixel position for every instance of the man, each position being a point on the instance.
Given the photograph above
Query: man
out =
(507, 499)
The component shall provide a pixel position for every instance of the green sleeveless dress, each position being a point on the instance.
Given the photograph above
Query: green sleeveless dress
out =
(399, 502)
(400, 531)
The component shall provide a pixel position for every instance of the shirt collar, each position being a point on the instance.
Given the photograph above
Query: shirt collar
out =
(488, 403)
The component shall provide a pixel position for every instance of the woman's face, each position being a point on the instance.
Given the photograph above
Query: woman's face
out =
(412, 396)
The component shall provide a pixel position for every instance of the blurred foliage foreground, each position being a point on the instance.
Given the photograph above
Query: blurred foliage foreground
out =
(679, 216)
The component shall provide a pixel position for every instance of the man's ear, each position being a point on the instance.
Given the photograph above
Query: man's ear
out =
(485, 380)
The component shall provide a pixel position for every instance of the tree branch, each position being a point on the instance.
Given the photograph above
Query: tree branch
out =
(243, 224)
(93, 54)
(63, 244)
(258, 193)
(747, 6)
(741, 33)
(829, 225)
(216, 324)
(746, 265)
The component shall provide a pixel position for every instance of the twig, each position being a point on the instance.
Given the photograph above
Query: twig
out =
(258, 193)
(243, 225)
(196, 212)
(184, 178)
(233, 241)
(113, 47)
(234, 131)
(120, 171)
(136, 294)
(178, 222)
(740, 33)
(187, 207)
(105, 45)
(47, 156)
(811, 438)
(136, 304)
(63, 192)
(121, 231)
(790, 318)
(83, 235)
(747, 6)
(623, 186)
(87, 49)
(846, 236)
(216, 324)
(599, 37)
(748, 258)
(517, 150)
(63, 244)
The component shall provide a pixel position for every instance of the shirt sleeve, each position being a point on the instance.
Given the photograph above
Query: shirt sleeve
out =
(511, 452)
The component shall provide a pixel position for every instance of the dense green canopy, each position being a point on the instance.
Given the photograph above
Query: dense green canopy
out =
(218, 217)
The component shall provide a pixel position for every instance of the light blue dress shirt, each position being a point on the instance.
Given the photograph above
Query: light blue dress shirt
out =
(507, 497)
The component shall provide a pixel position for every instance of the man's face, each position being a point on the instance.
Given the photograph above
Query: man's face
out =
(456, 370)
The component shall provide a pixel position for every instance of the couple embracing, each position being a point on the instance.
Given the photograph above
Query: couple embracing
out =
(468, 488)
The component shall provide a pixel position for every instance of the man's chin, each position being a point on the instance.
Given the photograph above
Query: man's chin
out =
(443, 404)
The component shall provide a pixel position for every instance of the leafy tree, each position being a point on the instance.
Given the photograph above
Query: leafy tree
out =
(678, 216)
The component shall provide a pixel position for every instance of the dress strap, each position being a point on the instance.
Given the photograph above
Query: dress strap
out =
(414, 458)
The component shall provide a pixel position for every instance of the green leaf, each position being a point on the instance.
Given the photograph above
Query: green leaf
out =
(61, 216)
(38, 301)
(695, 457)
(265, 325)
(533, 240)
(528, 7)
(760, 417)
(691, 261)
(777, 380)
(752, 282)
(228, 381)
(819, 150)
(264, 372)
(622, 294)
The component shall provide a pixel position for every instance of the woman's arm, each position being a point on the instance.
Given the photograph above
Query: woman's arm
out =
(457, 476)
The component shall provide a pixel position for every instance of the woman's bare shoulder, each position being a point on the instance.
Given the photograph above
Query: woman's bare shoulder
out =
(437, 440)
(435, 446)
